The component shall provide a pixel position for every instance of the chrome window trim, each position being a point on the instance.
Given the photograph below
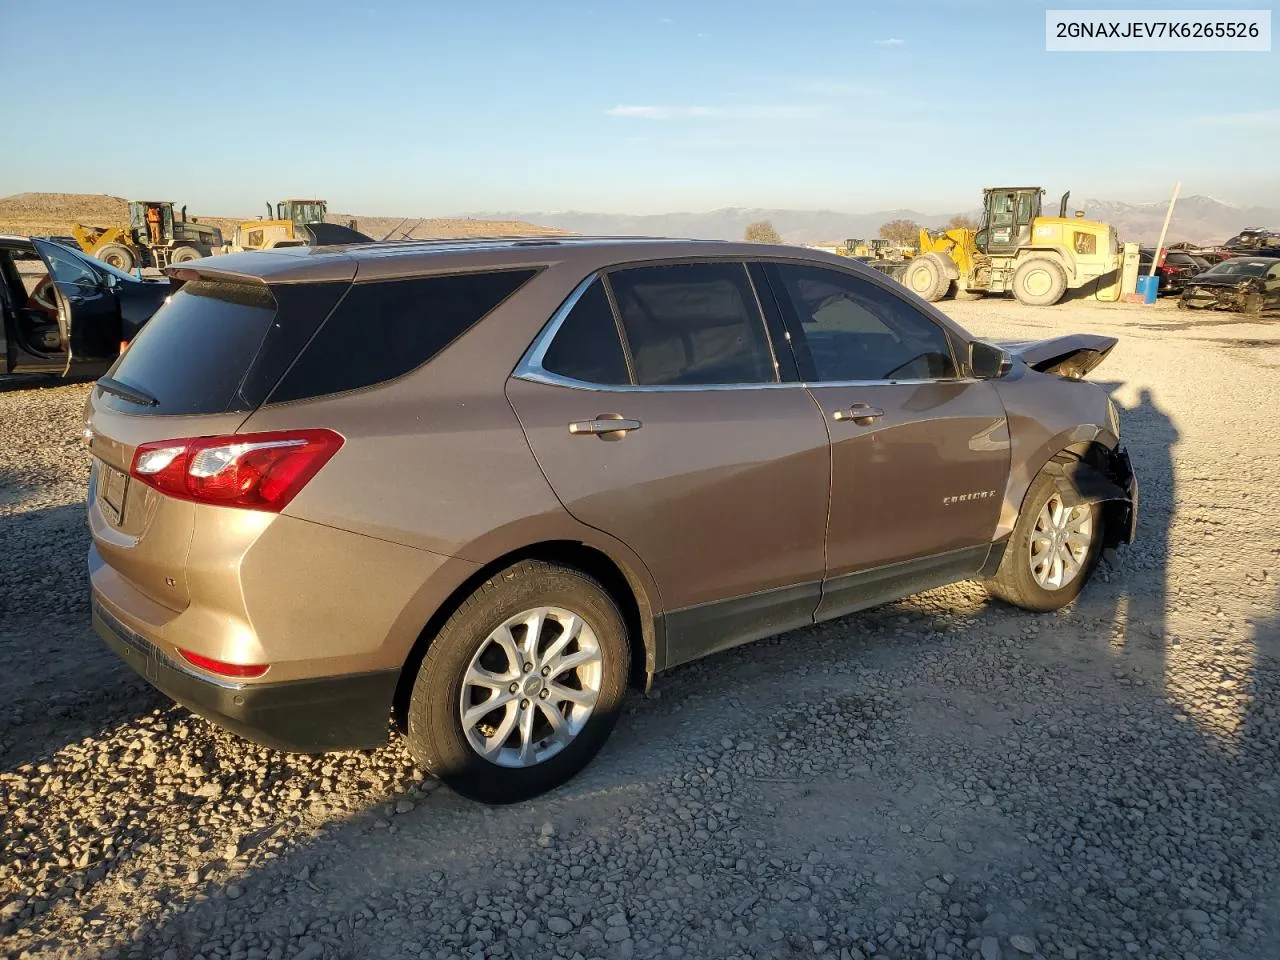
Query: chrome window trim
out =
(530, 366)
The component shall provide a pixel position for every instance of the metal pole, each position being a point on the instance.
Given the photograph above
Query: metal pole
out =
(1165, 229)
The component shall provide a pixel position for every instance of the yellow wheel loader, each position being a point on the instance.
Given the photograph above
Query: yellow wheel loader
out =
(293, 223)
(1017, 250)
(153, 238)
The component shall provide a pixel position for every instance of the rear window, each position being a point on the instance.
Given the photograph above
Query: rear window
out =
(219, 346)
(193, 354)
(383, 330)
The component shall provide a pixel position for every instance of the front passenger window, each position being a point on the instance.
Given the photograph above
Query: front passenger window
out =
(853, 329)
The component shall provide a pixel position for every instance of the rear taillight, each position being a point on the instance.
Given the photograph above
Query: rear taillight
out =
(239, 671)
(254, 471)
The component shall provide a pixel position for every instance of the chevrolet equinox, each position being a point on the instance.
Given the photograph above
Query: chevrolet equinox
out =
(480, 488)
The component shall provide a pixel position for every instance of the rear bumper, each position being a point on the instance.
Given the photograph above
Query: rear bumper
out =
(303, 716)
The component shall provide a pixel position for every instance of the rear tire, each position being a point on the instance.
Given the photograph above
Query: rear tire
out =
(446, 735)
(1026, 576)
(926, 278)
(1039, 282)
(185, 254)
(118, 256)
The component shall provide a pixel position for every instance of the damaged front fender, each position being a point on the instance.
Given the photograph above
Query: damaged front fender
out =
(1105, 477)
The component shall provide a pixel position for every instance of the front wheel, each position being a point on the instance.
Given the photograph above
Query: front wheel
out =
(186, 254)
(522, 685)
(1039, 282)
(118, 256)
(1052, 551)
(926, 278)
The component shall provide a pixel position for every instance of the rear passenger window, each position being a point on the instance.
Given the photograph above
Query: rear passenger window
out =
(693, 323)
(853, 329)
(384, 329)
(587, 346)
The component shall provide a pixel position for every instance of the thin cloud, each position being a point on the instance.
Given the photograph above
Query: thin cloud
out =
(642, 112)
(889, 42)
(839, 88)
(760, 111)
(1253, 119)
(665, 20)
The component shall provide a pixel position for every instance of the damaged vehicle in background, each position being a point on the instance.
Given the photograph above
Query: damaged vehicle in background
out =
(1241, 284)
(65, 312)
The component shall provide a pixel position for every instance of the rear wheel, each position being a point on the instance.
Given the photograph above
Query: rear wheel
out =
(926, 278)
(1052, 551)
(522, 685)
(184, 254)
(1039, 282)
(118, 256)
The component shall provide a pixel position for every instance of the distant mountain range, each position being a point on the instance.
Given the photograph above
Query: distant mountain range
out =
(1199, 219)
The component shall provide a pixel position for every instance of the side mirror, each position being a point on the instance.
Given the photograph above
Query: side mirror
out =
(988, 362)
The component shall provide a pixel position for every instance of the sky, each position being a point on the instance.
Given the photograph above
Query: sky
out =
(408, 108)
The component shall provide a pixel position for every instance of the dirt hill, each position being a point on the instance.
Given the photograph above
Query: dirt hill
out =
(34, 214)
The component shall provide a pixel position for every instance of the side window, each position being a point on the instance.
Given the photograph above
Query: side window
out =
(693, 323)
(68, 268)
(382, 330)
(855, 330)
(587, 346)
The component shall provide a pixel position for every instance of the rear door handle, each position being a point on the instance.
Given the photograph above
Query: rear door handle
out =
(606, 426)
(860, 413)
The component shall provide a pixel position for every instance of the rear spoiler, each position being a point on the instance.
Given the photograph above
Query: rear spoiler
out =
(1072, 356)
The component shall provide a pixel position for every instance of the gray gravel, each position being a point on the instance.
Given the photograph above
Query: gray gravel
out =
(943, 777)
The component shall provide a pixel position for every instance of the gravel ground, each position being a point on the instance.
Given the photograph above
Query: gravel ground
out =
(940, 777)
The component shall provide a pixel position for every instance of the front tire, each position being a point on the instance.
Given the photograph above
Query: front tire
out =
(118, 256)
(1039, 282)
(926, 278)
(545, 648)
(1052, 551)
(186, 255)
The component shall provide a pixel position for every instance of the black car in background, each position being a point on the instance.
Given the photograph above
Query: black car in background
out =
(1243, 284)
(1174, 270)
(65, 312)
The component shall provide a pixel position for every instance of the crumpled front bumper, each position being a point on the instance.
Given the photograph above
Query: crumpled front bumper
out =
(1217, 298)
(1111, 483)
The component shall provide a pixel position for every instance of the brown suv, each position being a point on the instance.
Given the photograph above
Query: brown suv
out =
(483, 486)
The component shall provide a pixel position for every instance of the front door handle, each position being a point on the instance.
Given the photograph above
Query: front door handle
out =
(860, 413)
(606, 426)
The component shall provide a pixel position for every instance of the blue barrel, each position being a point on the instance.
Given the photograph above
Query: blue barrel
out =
(1148, 288)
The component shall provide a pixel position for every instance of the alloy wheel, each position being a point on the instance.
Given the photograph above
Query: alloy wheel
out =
(1060, 542)
(531, 687)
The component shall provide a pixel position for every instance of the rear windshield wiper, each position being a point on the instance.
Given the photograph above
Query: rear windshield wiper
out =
(126, 392)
